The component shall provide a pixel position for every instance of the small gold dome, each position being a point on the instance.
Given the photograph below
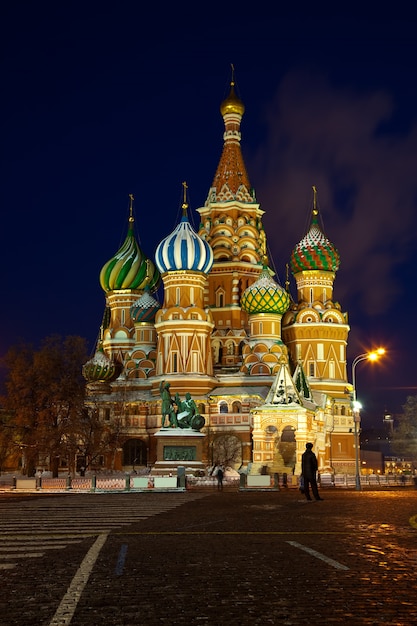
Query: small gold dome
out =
(232, 104)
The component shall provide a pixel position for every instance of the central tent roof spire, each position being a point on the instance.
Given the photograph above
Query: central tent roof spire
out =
(231, 181)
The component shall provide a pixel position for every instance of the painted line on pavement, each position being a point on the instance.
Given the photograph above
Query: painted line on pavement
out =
(121, 560)
(320, 556)
(66, 609)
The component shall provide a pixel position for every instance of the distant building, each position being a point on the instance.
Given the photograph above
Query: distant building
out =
(263, 365)
(399, 465)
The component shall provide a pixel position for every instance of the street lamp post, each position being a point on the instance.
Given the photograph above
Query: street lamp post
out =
(356, 406)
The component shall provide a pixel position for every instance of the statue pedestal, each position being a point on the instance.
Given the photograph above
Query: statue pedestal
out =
(177, 447)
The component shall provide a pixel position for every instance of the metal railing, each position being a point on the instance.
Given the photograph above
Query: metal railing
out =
(129, 482)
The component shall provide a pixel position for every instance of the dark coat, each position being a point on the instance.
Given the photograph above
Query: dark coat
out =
(309, 464)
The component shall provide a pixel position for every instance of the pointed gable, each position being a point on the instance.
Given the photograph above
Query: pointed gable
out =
(283, 389)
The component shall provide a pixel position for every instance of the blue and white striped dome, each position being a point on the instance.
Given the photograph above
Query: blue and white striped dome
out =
(183, 249)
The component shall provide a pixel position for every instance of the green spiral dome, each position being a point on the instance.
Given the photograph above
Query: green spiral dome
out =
(129, 268)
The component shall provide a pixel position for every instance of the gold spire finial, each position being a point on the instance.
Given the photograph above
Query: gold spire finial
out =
(184, 204)
(232, 104)
(148, 273)
(131, 218)
(287, 278)
(315, 210)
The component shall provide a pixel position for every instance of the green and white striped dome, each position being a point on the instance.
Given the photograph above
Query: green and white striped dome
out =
(129, 268)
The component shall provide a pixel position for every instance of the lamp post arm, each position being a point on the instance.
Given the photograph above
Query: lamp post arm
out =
(356, 360)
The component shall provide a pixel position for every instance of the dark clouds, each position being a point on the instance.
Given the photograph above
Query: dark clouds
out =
(334, 138)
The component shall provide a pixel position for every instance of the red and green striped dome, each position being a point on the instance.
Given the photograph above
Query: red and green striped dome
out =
(265, 296)
(314, 251)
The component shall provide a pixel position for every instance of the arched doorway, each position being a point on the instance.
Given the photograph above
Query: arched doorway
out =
(287, 447)
(134, 453)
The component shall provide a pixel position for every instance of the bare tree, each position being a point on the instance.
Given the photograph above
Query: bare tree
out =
(92, 441)
(227, 449)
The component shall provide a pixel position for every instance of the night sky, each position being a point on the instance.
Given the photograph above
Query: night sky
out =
(102, 101)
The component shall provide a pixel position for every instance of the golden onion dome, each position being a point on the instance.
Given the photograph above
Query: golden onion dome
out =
(232, 104)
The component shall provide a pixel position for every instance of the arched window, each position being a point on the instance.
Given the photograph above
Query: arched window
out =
(220, 298)
(134, 452)
(223, 407)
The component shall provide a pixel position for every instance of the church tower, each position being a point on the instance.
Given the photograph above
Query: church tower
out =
(265, 301)
(231, 222)
(184, 324)
(123, 279)
(315, 329)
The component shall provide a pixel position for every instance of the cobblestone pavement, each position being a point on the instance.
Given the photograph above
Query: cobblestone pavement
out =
(224, 558)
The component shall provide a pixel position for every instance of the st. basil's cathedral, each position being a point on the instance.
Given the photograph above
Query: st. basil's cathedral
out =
(266, 370)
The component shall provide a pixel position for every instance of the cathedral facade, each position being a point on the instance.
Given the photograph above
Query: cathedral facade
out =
(266, 370)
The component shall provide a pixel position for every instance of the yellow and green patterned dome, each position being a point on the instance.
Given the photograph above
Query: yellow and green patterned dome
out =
(129, 268)
(265, 296)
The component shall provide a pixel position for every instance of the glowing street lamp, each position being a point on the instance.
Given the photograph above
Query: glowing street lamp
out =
(356, 406)
(366, 356)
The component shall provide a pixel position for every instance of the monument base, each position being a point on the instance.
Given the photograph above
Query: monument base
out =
(177, 447)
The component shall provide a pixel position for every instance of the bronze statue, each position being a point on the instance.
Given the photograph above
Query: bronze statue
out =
(167, 409)
(180, 413)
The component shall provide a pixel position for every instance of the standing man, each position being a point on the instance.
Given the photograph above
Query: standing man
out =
(309, 472)
(220, 475)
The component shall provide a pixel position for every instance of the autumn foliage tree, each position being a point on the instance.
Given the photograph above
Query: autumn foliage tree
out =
(45, 394)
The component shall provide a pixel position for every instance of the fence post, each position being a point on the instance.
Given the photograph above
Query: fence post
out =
(93, 482)
(69, 482)
(181, 476)
(127, 482)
